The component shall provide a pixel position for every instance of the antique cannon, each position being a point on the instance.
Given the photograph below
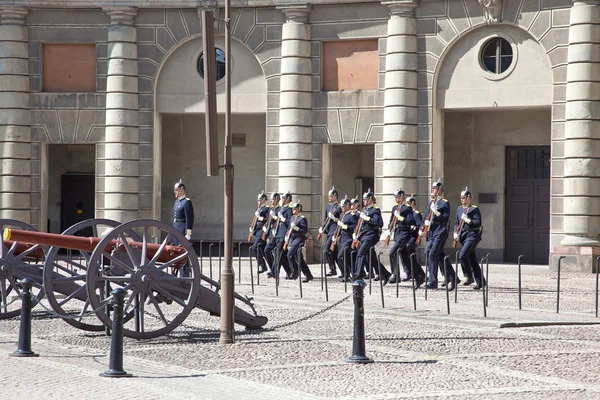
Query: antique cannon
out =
(122, 258)
(18, 261)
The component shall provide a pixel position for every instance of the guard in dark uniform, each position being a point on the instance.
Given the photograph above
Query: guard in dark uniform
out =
(347, 223)
(269, 235)
(411, 246)
(437, 236)
(282, 224)
(183, 217)
(368, 238)
(296, 237)
(258, 247)
(332, 215)
(469, 236)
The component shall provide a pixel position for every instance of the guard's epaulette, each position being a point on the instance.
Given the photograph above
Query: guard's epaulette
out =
(287, 205)
(417, 211)
(445, 200)
(351, 212)
(375, 206)
(268, 206)
(473, 206)
(187, 198)
(301, 216)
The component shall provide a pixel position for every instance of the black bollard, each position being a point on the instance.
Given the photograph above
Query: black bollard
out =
(412, 273)
(115, 362)
(397, 272)
(487, 281)
(483, 289)
(358, 339)
(520, 290)
(24, 349)
(251, 272)
(456, 278)
(558, 285)
(323, 273)
(380, 278)
(447, 258)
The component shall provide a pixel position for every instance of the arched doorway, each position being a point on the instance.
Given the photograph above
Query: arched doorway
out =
(180, 144)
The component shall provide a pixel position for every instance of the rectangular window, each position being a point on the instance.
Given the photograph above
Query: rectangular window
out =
(350, 65)
(68, 67)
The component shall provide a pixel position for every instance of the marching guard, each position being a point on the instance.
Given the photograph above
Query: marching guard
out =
(367, 238)
(332, 215)
(295, 237)
(268, 234)
(467, 230)
(437, 234)
(411, 246)
(402, 225)
(282, 224)
(347, 223)
(260, 217)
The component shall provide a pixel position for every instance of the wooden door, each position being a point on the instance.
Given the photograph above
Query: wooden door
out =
(527, 228)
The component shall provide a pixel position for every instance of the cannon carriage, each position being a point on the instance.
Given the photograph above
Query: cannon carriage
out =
(125, 256)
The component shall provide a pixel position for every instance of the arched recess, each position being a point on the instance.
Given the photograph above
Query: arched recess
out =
(477, 115)
(179, 135)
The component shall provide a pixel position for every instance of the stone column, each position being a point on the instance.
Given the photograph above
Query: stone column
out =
(295, 115)
(400, 113)
(581, 192)
(118, 155)
(15, 116)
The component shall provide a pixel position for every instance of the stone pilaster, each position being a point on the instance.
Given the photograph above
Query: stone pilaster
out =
(400, 113)
(581, 193)
(118, 155)
(295, 115)
(15, 116)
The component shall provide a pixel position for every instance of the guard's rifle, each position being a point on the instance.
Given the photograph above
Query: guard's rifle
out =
(356, 234)
(289, 233)
(253, 225)
(460, 225)
(266, 226)
(337, 233)
(391, 228)
(424, 228)
(326, 223)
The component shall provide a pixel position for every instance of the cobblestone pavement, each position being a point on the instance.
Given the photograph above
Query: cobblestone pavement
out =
(422, 353)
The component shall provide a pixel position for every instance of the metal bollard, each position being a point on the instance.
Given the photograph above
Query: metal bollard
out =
(520, 290)
(115, 362)
(412, 273)
(277, 268)
(239, 262)
(210, 258)
(251, 272)
(483, 279)
(487, 280)
(397, 271)
(370, 270)
(380, 278)
(558, 285)
(456, 279)
(323, 273)
(426, 273)
(24, 349)
(447, 258)
(299, 262)
(358, 338)
(597, 267)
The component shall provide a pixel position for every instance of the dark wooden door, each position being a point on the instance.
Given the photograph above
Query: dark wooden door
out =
(77, 200)
(527, 229)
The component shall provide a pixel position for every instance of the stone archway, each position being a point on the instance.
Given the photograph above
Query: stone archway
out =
(179, 136)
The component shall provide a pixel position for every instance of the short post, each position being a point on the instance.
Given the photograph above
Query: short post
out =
(358, 339)
(447, 258)
(299, 262)
(251, 272)
(483, 289)
(380, 278)
(487, 280)
(24, 349)
(396, 268)
(520, 289)
(324, 277)
(345, 270)
(277, 263)
(412, 274)
(456, 279)
(323, 272)
(210, 258)
(426, 274)
(597, 267)
(370, 272)
(558, 285)
(239, 262)
(115, 363)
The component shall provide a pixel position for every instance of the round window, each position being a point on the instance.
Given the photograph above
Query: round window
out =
(220, 60)
(497, 55)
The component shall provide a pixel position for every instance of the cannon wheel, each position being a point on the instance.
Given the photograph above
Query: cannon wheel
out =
(15, 267)
(66, 275)
(160, 300)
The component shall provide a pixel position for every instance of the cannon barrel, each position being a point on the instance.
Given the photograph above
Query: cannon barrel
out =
(30, 238)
